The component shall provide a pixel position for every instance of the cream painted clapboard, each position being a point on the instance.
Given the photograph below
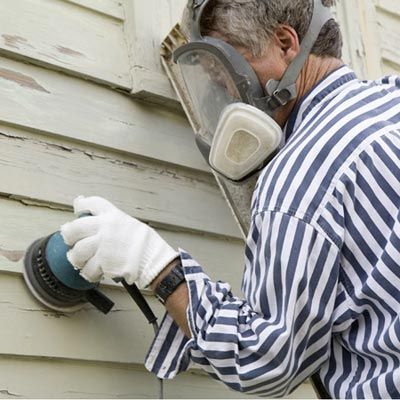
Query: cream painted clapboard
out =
(64, 35)
(67, 127)
(371, 31)
(388, 16)
(151, 191)
(110, 8)
(62, 106)
(144, 37)
(107, 41)
(127, 381)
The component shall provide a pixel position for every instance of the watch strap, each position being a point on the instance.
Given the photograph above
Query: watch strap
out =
(170, 283)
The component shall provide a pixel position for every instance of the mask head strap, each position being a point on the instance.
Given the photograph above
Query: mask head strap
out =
(281, 92)
(196, 8)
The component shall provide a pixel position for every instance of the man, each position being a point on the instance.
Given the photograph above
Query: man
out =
(322, 256)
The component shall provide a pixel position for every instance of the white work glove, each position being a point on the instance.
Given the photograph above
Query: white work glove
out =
(113, 244)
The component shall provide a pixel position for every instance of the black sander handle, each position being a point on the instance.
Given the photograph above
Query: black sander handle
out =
(99, 300)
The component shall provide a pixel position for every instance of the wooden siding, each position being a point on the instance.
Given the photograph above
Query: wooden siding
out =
(68, 127)
(67, 37)
(388, 17)
(87, 109)
(144, 36)
(109, 380)
(145, 189)
(371, 31)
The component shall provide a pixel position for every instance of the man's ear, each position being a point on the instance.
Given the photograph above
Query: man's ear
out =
(288, 41)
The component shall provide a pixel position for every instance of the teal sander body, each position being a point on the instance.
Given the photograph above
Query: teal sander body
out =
(53, 280)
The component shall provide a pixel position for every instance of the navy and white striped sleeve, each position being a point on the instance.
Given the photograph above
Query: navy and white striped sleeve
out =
(272, 340)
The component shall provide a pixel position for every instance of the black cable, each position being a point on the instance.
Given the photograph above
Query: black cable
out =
(160, 381)
(139, 299)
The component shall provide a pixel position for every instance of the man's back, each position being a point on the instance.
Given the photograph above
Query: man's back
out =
(335, 190)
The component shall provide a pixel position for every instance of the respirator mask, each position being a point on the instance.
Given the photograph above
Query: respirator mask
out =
(237, 134)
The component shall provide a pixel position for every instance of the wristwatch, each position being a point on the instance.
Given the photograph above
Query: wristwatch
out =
(170, 283)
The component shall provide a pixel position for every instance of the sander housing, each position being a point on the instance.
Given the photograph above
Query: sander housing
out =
(53, 280)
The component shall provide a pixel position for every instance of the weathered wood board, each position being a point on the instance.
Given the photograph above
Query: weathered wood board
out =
(40, 169)
(75, 379)
(111, 8)
(23, 222)
(389, 31)
(63, 106)
(31, 330)
(389, 6)
(144, 37)
(62, 36)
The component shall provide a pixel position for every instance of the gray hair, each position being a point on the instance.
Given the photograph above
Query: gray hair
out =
(252, 23)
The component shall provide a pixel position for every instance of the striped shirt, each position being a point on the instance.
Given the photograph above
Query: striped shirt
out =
(322, 274)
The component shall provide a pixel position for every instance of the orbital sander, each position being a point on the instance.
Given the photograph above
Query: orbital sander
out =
(53, 280)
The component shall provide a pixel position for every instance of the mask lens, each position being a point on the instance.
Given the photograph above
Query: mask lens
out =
(210, 88)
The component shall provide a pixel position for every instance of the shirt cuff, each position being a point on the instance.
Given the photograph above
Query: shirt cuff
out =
(170, 352)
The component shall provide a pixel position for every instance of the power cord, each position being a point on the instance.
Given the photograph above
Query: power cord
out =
(137, 296)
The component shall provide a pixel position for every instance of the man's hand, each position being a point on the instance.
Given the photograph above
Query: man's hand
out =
(111, 243)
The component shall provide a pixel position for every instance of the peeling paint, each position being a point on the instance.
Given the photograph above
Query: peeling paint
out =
(60, 147)
(21, 79)
(56, 314)
(6, 392)
(44, 311)
(127, 163)
(140, 68)
(163, 171)
(38, 203)
(51, 57)
(15, 41)
(35, 203)
(8, 135)
(12, 255)
(69, 52)
(123, 122)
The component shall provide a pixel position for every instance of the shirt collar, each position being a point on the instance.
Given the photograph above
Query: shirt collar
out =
(330, 84)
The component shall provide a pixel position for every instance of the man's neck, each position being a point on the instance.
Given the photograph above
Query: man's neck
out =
(314, 70)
